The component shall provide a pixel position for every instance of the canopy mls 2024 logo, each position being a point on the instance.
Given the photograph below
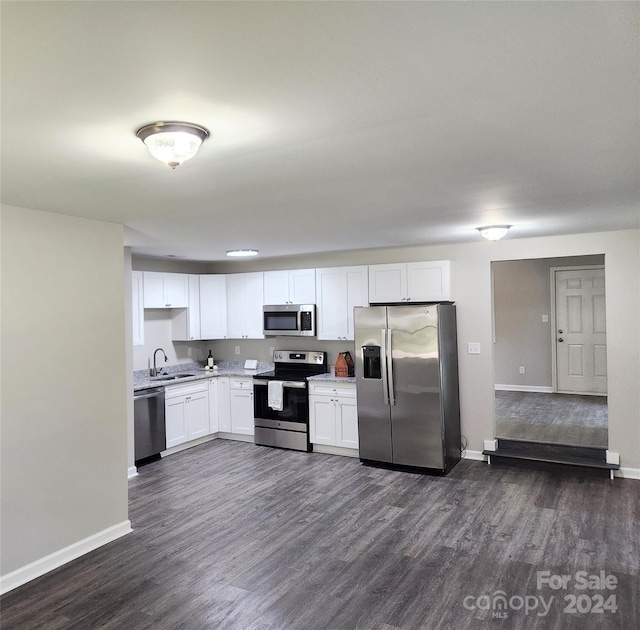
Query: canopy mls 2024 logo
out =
(591, 593)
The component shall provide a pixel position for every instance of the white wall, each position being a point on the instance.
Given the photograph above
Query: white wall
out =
(64, 426)
(521, 295)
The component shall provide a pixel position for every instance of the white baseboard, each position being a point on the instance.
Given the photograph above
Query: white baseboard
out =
(336, 450)
(235, 436)
(35, 569)
(477, 455)
(186, 445)
(627, 473)
(541, 389)
(132, 472)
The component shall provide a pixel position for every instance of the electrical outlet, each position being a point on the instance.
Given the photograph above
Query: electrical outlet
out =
(473, 348)
(522, 369)
(237, 349)
(189, 351)
(271, 351)
(545, 319)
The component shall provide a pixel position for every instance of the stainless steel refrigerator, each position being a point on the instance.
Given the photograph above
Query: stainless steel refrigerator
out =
(407, 386)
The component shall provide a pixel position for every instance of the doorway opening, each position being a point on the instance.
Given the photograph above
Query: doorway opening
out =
(550, 387)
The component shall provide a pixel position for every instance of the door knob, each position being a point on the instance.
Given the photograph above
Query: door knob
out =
(560, 339)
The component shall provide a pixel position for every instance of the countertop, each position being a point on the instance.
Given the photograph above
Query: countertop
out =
(331, 377)
(142, 380)
(226, 368)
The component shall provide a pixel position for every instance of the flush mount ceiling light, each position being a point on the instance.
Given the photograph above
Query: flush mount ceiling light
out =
(172, 142)
(242, 252)
(494, 232)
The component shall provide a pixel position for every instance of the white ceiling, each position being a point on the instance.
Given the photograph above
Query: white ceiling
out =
(334, 125)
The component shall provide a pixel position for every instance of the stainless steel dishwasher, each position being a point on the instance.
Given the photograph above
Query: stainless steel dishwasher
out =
(148, 423)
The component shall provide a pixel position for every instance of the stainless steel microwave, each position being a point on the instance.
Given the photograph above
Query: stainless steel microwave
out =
(292, 320)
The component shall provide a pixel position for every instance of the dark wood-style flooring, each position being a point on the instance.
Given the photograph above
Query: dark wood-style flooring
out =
(231, 536)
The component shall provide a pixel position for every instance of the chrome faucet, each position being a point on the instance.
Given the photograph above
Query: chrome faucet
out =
(154, 370)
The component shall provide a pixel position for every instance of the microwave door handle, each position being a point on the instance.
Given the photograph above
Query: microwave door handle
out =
(383, 361)
(389, 353)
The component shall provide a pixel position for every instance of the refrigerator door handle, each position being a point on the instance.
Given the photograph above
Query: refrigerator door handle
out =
(383, 361)
(389, 367)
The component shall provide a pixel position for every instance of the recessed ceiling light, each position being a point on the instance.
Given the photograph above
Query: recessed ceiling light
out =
(172, 142)
(494, 232)
(242, 252)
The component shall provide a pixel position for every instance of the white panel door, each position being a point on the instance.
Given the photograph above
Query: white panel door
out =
(137, 307)
(276, 287)
(302, 286)
(213, 306)
(241, 405)
(244, 305)
(357, 279)
(176, 421)
(347, 424)
(322, 420)
(581, 337)
(429, 281)
(197, 410)
(388, 283)
(224, 413)
(330, 291)
(214, 406)
(176, 290)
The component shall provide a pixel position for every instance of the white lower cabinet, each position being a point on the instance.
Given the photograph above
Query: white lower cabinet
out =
(333, 414)
(241, 405)
(186, 412)
(219, 419)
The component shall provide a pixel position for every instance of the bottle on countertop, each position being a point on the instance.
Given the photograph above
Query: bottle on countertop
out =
(210, 360)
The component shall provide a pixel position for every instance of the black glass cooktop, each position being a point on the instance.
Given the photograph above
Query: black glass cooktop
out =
(289, 375)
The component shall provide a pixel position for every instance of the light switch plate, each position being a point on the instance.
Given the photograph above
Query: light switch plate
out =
(473, 348)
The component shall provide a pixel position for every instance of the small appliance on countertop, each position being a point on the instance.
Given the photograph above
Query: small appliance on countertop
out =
(281, 399)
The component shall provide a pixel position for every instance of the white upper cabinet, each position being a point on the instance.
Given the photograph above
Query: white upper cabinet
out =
(297, 286)
(244, 305)
(185, 323)
(338, 290)
(213, 306)
(428, 281)
(137, 307)
(165, 290)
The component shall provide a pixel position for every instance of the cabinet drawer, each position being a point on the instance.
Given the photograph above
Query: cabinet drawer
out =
(241, 383)
(174, 391)
(346, 390)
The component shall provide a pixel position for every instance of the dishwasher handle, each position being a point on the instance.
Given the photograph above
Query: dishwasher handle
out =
(148, 393)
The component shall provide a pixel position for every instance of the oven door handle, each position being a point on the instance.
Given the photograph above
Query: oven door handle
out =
(290, 384)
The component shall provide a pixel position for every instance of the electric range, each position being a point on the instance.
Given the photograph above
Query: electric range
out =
(281, 399)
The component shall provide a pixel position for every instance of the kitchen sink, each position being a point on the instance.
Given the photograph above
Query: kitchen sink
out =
(171, 377)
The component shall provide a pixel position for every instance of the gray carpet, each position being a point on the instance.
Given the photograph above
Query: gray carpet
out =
(553, 418)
